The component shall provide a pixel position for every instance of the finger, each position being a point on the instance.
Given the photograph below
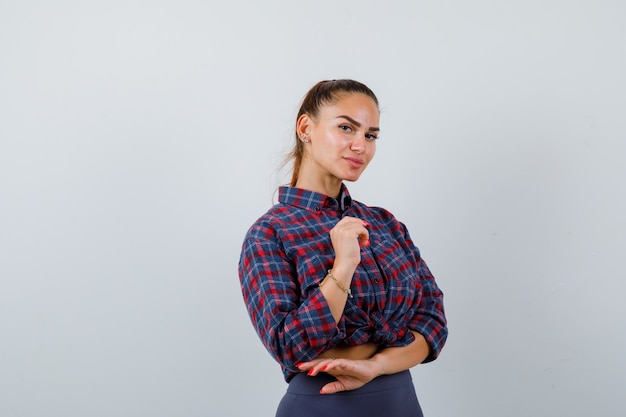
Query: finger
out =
(304, 366)
(358, 227)
(352, 221)
(316, 367)
(338, 367)
(332, 387)
(364, 237)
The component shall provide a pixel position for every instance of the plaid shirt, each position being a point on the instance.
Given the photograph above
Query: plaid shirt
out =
(285, 256)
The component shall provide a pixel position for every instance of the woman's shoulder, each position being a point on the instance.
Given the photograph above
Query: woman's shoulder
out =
(380, 213)
(380, 218)
(272, 219)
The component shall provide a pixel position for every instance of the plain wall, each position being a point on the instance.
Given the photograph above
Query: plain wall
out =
(140, 139)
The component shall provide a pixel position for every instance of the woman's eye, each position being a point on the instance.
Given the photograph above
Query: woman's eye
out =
(370, 136)
(345, 128)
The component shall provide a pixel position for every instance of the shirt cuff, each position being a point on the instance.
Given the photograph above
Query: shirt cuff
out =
(318, 322)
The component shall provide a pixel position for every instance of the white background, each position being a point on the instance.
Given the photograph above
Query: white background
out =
(140, 139)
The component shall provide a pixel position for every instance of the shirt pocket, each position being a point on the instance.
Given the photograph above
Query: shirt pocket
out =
(398, 270)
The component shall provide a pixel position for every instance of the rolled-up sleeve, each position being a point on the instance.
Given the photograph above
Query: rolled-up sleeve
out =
(429, 319)
(292, 329)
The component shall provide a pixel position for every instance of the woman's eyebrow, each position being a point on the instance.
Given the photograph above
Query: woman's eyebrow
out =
(357, 124)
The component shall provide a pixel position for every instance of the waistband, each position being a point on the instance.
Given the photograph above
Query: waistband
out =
(303, 384)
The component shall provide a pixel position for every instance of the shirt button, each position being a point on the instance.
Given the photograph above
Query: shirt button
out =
(317, 208)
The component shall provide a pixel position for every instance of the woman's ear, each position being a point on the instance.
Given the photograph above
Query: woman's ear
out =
(303, 127)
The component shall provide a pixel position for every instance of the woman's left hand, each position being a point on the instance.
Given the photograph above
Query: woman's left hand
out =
(350, 374)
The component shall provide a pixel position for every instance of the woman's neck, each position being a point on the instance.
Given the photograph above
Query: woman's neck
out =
(329, 186)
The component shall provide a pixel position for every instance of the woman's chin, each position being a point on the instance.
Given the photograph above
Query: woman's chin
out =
(351, 178)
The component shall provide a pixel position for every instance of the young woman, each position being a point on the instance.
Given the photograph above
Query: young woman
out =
(336, 290)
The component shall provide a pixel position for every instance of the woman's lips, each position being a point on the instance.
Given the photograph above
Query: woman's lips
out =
(355, 162)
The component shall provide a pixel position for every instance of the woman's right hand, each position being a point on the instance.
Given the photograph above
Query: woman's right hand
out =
(347, 237)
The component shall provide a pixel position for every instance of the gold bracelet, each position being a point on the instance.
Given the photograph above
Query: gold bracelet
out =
(344, 289)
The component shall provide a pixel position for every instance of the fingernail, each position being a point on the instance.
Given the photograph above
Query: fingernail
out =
(325, 367)
(310, 372)
(367, 243)
(298, 365)
(321, 391)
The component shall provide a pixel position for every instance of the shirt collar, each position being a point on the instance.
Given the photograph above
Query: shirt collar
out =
(313, 201)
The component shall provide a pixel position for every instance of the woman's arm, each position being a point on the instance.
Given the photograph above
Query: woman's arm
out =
(355, 373)
(346, 237)
(291, 328)
(396, 359)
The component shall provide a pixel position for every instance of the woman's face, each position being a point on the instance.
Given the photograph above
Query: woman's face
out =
(342, 139)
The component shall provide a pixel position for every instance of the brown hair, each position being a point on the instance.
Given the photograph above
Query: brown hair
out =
(322, 93)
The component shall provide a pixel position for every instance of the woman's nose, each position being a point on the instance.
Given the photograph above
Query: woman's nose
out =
(358, 143)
